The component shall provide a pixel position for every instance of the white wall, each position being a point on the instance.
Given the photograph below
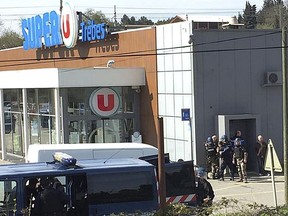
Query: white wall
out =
(175, 87)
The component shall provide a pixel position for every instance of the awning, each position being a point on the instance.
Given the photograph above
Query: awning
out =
(71, 77)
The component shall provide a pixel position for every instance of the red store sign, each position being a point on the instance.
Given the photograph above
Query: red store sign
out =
(104, 102)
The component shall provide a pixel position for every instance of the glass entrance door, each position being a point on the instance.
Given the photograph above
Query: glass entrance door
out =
(100, 131)
(105, 131)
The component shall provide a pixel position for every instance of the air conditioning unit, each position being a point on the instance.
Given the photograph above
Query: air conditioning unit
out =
(274, 78)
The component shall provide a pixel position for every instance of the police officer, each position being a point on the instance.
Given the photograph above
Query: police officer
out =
(212, 160)
(204, 191)
(51, 201)
(225, 152)
(240, 157)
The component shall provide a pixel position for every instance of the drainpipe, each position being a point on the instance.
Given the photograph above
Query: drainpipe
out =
(25, 123)
(2, 124)
(57, 116)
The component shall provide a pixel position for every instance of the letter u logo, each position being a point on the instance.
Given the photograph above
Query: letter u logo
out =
(66, 26)
(105, 104)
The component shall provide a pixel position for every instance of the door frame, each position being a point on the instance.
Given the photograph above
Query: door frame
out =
(224, 125)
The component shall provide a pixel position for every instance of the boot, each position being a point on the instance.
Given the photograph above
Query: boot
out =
(240, 180)
(246, 180)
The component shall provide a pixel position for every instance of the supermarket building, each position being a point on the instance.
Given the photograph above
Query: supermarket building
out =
(201, 81)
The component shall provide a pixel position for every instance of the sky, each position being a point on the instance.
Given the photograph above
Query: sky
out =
(11, 11)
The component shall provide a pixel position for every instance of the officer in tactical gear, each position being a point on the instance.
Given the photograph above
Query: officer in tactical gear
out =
(240, 157)
(212, 159)
(225, 152)
(204, 191)
(51, 201)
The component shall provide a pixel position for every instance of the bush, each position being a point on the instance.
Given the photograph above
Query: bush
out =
(224, 207)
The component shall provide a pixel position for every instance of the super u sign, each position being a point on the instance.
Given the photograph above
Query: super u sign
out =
(49, 30)
(69, 25)
(104, 102)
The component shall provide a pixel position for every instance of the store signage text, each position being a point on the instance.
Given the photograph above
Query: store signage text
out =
(48, 29)
(104, 102)
(39, 30)
(93, 31)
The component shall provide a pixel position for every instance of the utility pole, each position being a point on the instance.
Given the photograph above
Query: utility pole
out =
(115, 17)
(61, 6)
(285, 106)
(161, 167)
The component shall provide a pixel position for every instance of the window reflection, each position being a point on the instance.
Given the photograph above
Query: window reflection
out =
(8, 197)
(120, 187)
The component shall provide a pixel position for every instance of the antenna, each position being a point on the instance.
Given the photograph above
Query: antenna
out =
(113, 155)
(115, 19)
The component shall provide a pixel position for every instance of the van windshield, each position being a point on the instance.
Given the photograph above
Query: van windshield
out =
(179, 179)
(8, 197)
(120, 187)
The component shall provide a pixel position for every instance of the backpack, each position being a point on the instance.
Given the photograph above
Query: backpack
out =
(238, 152)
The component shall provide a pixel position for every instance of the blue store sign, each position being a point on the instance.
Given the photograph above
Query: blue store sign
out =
(47, 29)
(185, 114)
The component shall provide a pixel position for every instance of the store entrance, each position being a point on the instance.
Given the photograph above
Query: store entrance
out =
(89, 122)
(100, 131)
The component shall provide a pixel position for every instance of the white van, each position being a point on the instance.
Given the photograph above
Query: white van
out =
(44, 152)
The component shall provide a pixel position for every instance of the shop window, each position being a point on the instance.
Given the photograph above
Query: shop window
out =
(128, 100)
(203, 25)
(8, 192)
(213, 25)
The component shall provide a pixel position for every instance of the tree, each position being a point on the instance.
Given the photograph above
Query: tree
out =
(164, 21)
(125, 20)
(144, 21)
(273, 15)
(240, 19)
(97, 16)
(10, 39)
(1, 26)
(249, 16)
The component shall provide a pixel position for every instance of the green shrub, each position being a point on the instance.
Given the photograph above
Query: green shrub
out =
(224, 207)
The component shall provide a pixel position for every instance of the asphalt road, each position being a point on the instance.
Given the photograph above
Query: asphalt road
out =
(259, 189)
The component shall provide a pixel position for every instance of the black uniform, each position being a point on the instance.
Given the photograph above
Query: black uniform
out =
(212, 159)
(51, 202)
(226, 156)
(203, 190)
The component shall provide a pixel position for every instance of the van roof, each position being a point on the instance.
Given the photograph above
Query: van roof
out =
(91, 145)
(27, 169)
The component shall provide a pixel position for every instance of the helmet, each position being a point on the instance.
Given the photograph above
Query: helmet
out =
(224, 138)
(200, 172)
(237, 141)
(209, 139)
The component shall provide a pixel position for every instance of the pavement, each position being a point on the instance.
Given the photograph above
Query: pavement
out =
(259, 189)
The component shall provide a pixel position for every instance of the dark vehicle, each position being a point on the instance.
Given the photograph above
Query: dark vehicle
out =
(94, 187)
(180, 180)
